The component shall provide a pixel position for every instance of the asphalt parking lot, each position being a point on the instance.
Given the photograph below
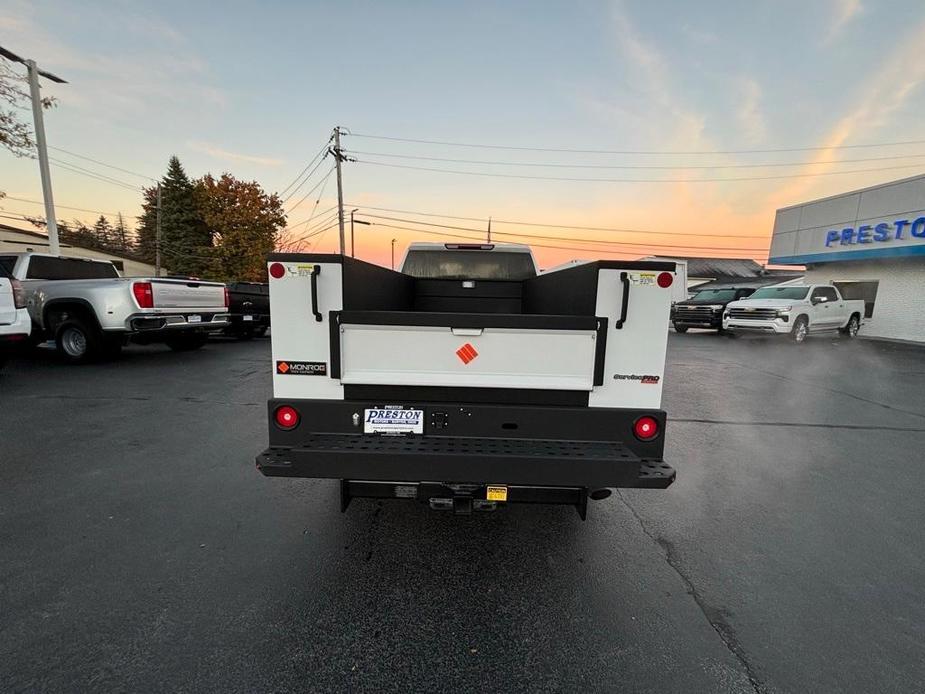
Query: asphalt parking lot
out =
(140, 550)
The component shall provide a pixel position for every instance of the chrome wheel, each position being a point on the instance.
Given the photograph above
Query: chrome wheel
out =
(853, 326)
(800, 331)
(73, 342)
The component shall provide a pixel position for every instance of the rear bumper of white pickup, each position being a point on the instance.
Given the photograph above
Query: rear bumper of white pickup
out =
(186, 320)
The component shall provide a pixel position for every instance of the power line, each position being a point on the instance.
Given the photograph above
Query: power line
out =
(637, 166)
(90, 174)
(323, 150)
(567, 238)
(313, 189)
(445, 143)
(634, 180)
(57, 206)
(548, 226)
(101, 163)
(481, 239)
(306, 221)
(306, 179)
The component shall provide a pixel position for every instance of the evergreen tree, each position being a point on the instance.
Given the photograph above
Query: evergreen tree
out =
(121, 237)
(146, 232)
(102, 235)
(185, 239)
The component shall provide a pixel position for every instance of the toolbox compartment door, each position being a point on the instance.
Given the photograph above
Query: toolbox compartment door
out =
(468, 350)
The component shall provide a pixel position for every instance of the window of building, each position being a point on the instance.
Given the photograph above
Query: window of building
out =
(866, 290)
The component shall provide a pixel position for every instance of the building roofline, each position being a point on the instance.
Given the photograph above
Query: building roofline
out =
(852, 192)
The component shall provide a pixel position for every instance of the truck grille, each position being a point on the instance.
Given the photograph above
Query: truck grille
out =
(753, 313)
(693, 312)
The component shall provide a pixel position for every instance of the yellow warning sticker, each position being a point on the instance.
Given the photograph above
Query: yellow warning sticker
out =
(303, 270)
(495, 493)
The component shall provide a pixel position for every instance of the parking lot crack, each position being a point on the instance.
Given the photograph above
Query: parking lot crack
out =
(717, 617)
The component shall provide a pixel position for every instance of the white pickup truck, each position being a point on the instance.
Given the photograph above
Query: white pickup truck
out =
(468, 379)
(90, 311)
(15, 325)
(797, 311)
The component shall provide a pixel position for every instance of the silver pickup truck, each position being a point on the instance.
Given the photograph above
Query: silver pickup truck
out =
(91, 312)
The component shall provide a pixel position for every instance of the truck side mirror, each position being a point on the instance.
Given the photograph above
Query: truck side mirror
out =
(818, 300)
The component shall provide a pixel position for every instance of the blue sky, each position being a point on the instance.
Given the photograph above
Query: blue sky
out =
(256, 88)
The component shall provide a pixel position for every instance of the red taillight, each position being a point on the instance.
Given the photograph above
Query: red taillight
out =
(665, 279)
(645, 428)
(227, 299)
(19, 294)
(277, 270)
(286, 417)
(144, 294)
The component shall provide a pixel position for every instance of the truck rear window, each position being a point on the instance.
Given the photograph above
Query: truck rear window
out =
(7, 263)
(469, 265)
(45, 268)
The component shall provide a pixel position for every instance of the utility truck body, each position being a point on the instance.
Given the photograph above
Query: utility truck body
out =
(467, 379)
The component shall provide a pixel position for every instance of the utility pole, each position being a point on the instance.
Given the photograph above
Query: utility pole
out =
(393, 254)
(358, 221)
(489, 230)
(157, 234)
(41, 146)
(338, 157)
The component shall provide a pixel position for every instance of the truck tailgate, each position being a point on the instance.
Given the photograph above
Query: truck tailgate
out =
(7, 307)
(188, 294)
(472, 350)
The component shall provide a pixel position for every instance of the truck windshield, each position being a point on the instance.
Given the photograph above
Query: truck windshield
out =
(469, 265)
(780, 293)
(712, 295)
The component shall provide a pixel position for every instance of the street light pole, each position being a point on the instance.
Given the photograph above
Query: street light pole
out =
(393, 254)
(358, 221)
(41, 146)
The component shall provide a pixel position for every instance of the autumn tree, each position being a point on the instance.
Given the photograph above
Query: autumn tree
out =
(244, 222)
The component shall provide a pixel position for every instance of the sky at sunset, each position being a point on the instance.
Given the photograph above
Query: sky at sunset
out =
(657, 94)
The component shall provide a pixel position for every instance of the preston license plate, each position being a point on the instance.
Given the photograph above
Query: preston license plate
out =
(246, 318)
(393, 421)
(194, 319)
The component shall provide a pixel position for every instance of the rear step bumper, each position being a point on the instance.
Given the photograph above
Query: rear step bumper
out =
(526, 462)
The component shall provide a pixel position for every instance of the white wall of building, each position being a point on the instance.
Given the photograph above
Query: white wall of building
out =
(899, 311)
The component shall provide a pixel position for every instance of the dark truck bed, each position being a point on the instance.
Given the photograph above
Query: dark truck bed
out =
(249, 306)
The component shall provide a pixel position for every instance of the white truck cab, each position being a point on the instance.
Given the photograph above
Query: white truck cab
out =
(467, 379)
(796, 311)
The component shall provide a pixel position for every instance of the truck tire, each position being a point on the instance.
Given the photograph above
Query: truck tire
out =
(680, 328)
(800, 330)
(112, 345)
(186, 342)
(854, 324)
(77, 341)
(261, 331)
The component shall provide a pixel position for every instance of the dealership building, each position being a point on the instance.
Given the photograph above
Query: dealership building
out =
(870, 244)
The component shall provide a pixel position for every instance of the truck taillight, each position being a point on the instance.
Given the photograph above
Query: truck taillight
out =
(227, 299)
(286, 417)
(19, 294)
(665, 279)
(144, 294)
(645, 428)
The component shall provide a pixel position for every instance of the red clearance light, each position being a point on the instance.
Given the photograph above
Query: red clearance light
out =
(645, 428)
(227, 298)
(144, 294)
(277, 270)
(665, 279)
(286, 417)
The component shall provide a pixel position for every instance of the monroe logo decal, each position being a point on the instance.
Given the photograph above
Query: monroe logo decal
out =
(646, 379)
(302, 368)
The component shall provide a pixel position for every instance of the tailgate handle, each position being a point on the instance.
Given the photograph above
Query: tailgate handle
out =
(624, 307)
(316, 270)
(471, 332)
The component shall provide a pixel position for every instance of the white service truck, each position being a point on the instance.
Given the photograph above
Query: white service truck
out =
(468, 379)
(796, 311)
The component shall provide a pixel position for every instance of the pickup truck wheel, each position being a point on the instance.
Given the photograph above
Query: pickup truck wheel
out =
(187, 342)
(261, 331)
(800, 330)
(680, 328)
(851, 330)
(77, 342)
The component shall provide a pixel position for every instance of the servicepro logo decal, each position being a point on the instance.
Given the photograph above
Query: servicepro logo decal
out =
(642, 378)
(302, 368)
